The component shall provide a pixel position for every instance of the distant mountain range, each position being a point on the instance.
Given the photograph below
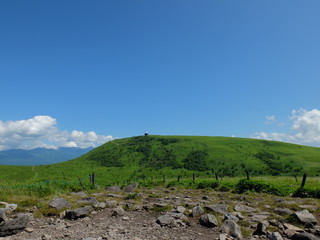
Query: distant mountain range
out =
(40, 156)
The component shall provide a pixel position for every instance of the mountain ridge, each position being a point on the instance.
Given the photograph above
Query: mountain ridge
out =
(40, 156)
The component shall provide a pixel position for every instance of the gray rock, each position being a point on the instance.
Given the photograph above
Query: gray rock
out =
(308, 225)
(79, 194)
(118, 212)
(46, 237)
(305, 216)
(11, 207)
(217, 208)
(131, 188)
(197, 211)
(244, 208)
(114, 195)
(78, 213)
(181, 209)
(275, 236)
(165, 220)
(303, 236)
(3, 216)
(238, 215)
(129, 205)
(88, 200)
(283, 211)
(29, 230)
(59, 203)
(176, 215)
(14, 225)
(111, 204)
(100, 194)
(232, 228)
(277, 224)
(113, 189)
(99, 205)
(258, 217)
(290, 230)
(309, 207)
(208, 220)
(223, 236)
(230, 216)
(261, 228)
(205, 197)
(289, 202)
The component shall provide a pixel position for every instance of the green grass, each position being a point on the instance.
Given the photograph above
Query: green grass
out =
(149, 160)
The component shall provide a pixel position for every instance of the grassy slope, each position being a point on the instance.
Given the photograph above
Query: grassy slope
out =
(225, 155)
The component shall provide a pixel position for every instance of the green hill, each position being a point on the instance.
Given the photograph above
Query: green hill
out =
(146, 157)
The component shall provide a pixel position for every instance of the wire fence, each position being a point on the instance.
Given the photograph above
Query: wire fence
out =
(37, 184)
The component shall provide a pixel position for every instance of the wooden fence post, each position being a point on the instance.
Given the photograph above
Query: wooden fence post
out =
(80, 181)
(248, 176)
(193, 177)
(304, 180)
(93, 179)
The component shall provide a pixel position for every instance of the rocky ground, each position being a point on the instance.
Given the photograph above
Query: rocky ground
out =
(144, 214)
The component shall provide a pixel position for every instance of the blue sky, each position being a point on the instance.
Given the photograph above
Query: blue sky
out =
(182, 67)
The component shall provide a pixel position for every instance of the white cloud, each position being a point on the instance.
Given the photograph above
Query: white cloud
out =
(270, 119)
(305, 129)
(42, 131)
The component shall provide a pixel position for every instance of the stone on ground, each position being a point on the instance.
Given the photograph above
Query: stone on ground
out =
(197, 211)
(78, 213)
(14, 225)
(208, 220)
(303, 236)
(232, 228)
(131, 188)
(305, 216)
(59, 203)
(275, 236)
(118, 212)
(165, 220)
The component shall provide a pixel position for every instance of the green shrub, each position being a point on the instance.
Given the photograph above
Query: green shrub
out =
(207, 184)
(224, 188)
(245, 185)
(175, 184)
(307, 193)
(151, 184)
(196, 160)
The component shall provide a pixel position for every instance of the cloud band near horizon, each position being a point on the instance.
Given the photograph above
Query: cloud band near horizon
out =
(305, 127)
(42, 131)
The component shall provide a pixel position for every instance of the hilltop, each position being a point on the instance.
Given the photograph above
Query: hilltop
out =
(228, 156)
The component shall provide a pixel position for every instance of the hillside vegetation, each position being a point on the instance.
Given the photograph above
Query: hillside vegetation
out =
(228, 156)
(146, 157)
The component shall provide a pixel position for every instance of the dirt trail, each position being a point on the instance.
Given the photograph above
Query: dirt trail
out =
(139, 222)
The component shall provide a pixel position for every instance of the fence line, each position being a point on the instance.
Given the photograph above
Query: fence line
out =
(36, 184)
